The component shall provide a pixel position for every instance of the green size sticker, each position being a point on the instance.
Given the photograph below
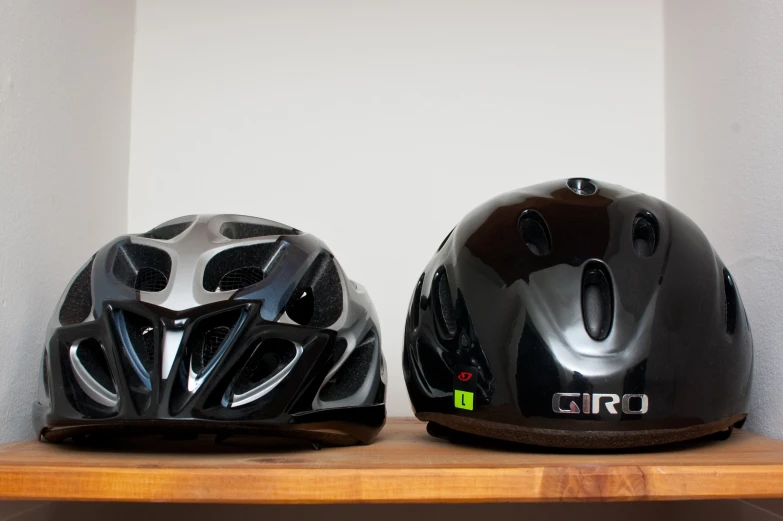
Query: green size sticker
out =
(463, 400)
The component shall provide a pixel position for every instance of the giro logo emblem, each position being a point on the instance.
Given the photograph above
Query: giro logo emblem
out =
(585, 403)
(464, 376)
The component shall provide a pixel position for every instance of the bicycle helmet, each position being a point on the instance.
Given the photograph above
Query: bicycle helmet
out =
(577, 314)
(213, 325)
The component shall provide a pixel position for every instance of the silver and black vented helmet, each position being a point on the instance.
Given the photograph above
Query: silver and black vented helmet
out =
(213, 325)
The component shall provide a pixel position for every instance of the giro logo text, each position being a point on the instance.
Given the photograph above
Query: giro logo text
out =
(586, 403)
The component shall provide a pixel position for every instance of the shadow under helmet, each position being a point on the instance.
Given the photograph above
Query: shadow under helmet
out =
(577, 314)
(213, 325)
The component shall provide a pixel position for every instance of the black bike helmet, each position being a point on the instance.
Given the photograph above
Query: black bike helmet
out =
(577, 314)
(213, 325)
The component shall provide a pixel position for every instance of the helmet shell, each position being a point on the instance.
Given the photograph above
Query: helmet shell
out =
(586, 314)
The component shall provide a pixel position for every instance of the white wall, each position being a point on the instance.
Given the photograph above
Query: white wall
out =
(724, 158)
(377, 125)
(65, 77)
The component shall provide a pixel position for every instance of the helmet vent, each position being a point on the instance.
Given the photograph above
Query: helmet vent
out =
(645, 234)
(268, 359)
(240, 278)
(339, 349)
(141, 336)
(535, 233)
(582, 186)
(445, 308)
(150, 279)
(597, 300)
(93, 359)
(730, 302)
(416, 302)
(78, 301)
(318, 299)
(353, 373)
(240, 230)
(45, 372)
(166, 232)
(240, 267)
(142, 268)
(211, 334)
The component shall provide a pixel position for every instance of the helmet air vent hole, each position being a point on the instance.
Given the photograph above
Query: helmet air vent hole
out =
(247, 230)
(268, 359)
(354, 371)
(645, 234)
(242, 266)
(582, 186)
(444, 306)
(730, 302)
(150, 279)
(318, 298)
(535, 233)
(93, 360)
(301, 306)
(240, 278)
(210, 335)
(78, 301)
(169, 230)
(416, 303)
(142, 268)
(597, 300)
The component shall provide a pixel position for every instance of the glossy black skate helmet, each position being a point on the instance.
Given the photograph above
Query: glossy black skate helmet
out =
(577, 314)
(213, 325)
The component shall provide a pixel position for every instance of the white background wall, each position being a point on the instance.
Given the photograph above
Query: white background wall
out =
(378, 125)
(724, 160)
(65, 78)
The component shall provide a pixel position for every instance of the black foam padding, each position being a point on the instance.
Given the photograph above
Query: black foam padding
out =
(597, 301)
(322, 284)
(645, 234)
(249, 259)
(353, 373)
(167, 232)
(459, 429)
(91, 355)
(268, 359)
(445, 306)
(730, 302)
(535, 233)
(240, 230)
(78, 301)
(131, 261)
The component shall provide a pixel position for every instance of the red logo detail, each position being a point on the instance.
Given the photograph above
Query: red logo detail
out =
(464, 376)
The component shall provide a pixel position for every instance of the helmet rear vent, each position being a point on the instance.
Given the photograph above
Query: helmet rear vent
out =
(141, 337)
(166, 232)
(645, 234)
(444, 306)
(142, 267)
(268, 359)
(353, 373)
(318, 298)
(597, 300)
(730, 302)
(78, 301)
(243, 230)
(535, 233)
(240, 267)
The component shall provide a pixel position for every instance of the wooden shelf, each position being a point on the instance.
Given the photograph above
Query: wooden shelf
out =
(403, 465)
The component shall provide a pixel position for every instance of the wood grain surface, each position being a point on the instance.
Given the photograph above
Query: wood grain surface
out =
(403, 465)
